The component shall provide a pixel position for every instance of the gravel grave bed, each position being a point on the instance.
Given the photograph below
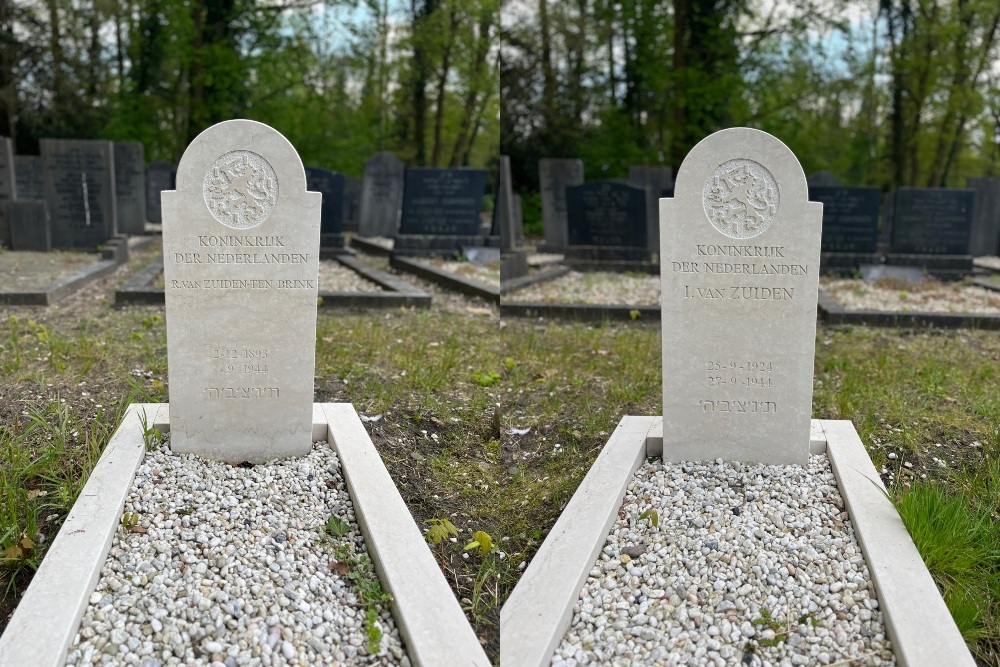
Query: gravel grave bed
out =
(750, 565)
(989, 261)
(29, 271)
(335, 277)
(594, 287)
(230, 565)
(487, 275)
(442, 297)
(927, 297)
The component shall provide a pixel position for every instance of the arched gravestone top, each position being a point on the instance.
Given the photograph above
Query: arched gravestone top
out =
(241, 259)
(739, 264)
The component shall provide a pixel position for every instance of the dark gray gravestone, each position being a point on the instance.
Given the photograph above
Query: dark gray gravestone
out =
(381, 195)
(160, 176)
(442, 201)
(513, 259)
(655, 179)
(850, 218)
(554, 176)
(80, 191)
(932, 221)
(130, 187)
(985, 238)
(29, 225)
(331, 185)
(607, 214)
(441, 211)
(823, 179)
(352, 203)
(8, 187)
(28, 173)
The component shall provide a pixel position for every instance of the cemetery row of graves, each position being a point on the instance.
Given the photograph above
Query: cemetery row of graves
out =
(393, 340)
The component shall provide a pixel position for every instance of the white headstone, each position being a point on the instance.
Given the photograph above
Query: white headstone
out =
(740, 247)
(241, 259)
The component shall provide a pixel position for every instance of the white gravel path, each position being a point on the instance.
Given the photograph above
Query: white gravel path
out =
(335, 277)
(487, 275)
(234, 569)
(989, 261)
(750, 565)
(929, 297)
(593, 287)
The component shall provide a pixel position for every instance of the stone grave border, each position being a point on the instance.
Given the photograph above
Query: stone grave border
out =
(430, 620)
(445, 279)
(831, 312)
(137, 291)
(114, 254)
(539, 611)
(543, 276)
(370, 247)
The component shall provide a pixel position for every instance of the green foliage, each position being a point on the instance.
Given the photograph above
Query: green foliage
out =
(487, 379)
(652, 516)
(337, 527)
(360, 572)
(128, 521)
(440, 530)
(480, 540)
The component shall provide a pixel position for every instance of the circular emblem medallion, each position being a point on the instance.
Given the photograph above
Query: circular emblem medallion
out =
(241, 189)
(741, 198)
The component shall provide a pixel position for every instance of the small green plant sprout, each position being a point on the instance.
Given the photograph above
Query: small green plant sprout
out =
(130, 523)
(652, 516)
(480, 540)
(337, 527)
(440, 530)
(509, 363)
(151, 436)
(486, 379)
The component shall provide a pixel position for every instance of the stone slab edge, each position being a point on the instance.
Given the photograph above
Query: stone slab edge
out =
(136, 289)
(430, 620)
(986, 283)
(580, 311)
(46, 619)
(584, 265)
(512, 284)
(445, 279)
(539, 610)
(61, 288)
(922, 631)
(833, 313)
(370, 247)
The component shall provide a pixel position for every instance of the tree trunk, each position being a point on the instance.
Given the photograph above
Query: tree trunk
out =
(442, 85)
(678, 149)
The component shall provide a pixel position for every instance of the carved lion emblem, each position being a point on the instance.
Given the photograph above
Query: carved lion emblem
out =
(741, 198)
(241, 189)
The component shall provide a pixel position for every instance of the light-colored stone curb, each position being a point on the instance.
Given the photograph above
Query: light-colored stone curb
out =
(918, 622)
(539, 610)
(429, 618)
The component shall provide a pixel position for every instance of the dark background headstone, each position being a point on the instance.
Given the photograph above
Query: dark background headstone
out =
(331, 184)
(80, 191)
(28, 173)
(985, 236)
(823, 179)
(352, 203)
(554, 176)
(159, 176)
(381, 195)
(130, 187)
(655, 179)
(932, 221)
(8, 186)
(605, 213)
(850, 218)
(442, 201)
(29, 225)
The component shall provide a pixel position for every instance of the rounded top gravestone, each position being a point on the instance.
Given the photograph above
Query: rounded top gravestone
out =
(240, 266)
(739, 264)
